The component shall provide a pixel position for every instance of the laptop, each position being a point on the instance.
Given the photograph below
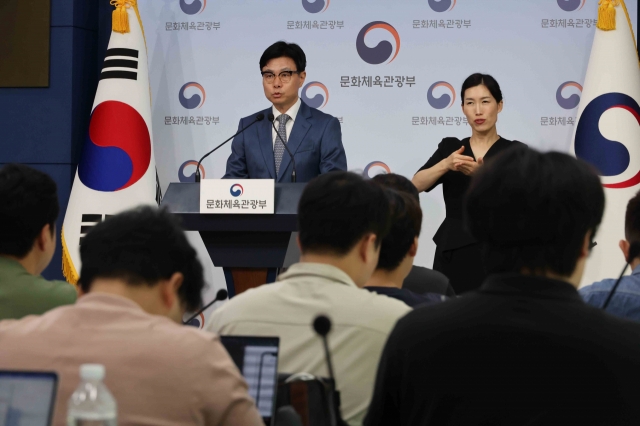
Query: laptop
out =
(257, 359)
(27, 397)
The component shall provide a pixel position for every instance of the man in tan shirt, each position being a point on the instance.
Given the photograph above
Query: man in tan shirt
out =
(342, 220)
(139, 275)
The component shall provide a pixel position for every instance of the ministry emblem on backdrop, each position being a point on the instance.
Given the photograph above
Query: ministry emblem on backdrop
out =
(445, 100)
(195, 100)
(193, 7)
(316, 6)
(442, 5)
(315, 94)
(384, 51)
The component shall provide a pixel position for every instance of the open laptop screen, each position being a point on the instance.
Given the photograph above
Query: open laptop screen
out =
(257, 359)
(27, 398)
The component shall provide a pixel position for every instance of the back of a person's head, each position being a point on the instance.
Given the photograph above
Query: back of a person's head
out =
(397, 182)
(29, 202)
(532, 210)
(406, 220)
(632, 220)
(141, 247)
(337, 210)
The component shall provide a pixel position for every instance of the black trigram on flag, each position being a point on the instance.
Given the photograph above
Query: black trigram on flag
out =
(89, 221)
(120, 63)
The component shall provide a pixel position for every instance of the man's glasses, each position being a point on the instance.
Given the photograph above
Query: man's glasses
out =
(284, 76)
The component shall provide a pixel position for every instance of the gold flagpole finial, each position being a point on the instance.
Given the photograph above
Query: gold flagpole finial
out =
(120, 17)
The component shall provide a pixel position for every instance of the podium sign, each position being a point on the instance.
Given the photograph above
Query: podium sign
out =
(237, 196)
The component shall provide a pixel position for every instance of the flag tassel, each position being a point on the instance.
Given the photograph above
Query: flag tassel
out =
(120, 17)
(607, 14)
(68, 270)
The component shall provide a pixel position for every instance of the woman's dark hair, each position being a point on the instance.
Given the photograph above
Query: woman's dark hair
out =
(532, 210)
(337, 209)
(288, 50)
(486, 80)
(141, 247)
(29, 203)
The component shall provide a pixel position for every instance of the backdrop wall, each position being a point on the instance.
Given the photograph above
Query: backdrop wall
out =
(390, 70)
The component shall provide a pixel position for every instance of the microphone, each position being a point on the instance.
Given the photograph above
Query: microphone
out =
(259, 117)
(220, 295)
(271, 118)
(322, 326)
(634, 251)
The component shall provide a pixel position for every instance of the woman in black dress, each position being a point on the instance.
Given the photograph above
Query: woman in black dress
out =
(458, 255)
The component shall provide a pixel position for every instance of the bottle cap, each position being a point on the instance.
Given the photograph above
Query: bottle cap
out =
(92, 371)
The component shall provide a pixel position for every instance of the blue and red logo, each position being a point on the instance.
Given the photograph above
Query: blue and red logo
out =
(319, 100)
(375, 168)
(383, 51)
(195, 101)
(571, 5)
(196, 6)
(442, 5)
(315, 6)
(236, 190)
(611, 158)
(573, 100)
(117, 150)
(445, 100)
(192, 177)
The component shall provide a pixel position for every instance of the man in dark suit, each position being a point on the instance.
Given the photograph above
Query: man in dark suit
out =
(524, 349)
(312, 136)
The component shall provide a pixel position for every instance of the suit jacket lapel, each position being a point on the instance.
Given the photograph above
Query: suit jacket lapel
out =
(265, 137)
(301, 126)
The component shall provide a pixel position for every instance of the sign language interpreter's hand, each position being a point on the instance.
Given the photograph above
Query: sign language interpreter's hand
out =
(463, 163)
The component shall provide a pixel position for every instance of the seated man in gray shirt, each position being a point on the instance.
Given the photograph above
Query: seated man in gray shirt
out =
(342, 220)
(625, 302)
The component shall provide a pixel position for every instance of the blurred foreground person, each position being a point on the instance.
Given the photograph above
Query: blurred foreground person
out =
(524, 349)
(139, 275)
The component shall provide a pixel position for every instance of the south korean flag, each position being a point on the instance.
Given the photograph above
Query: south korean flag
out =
(117, 169)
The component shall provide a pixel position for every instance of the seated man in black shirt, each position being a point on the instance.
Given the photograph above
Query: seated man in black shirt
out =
(524, 349)
(400, 246)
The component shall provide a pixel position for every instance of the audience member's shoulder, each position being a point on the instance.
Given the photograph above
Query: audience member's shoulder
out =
(383, 310)
(598, 286)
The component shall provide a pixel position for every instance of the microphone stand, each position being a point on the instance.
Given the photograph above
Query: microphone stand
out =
(259, 117)
(220, 295)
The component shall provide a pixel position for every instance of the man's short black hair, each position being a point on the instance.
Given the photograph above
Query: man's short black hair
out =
(141, 247)
(406, 222)
(532, 210)
(337, 209)
(288, 50)
(399, 183)
(28, 202)
(632, 220)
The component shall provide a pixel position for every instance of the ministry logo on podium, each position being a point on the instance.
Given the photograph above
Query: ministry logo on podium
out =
(236, 190)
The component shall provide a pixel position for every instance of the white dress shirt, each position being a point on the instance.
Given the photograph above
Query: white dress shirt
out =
(361, 321)
(291, 112)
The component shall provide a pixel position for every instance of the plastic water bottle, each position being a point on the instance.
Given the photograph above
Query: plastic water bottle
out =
(92, 404)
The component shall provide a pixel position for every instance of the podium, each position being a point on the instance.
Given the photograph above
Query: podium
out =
(250, 247)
